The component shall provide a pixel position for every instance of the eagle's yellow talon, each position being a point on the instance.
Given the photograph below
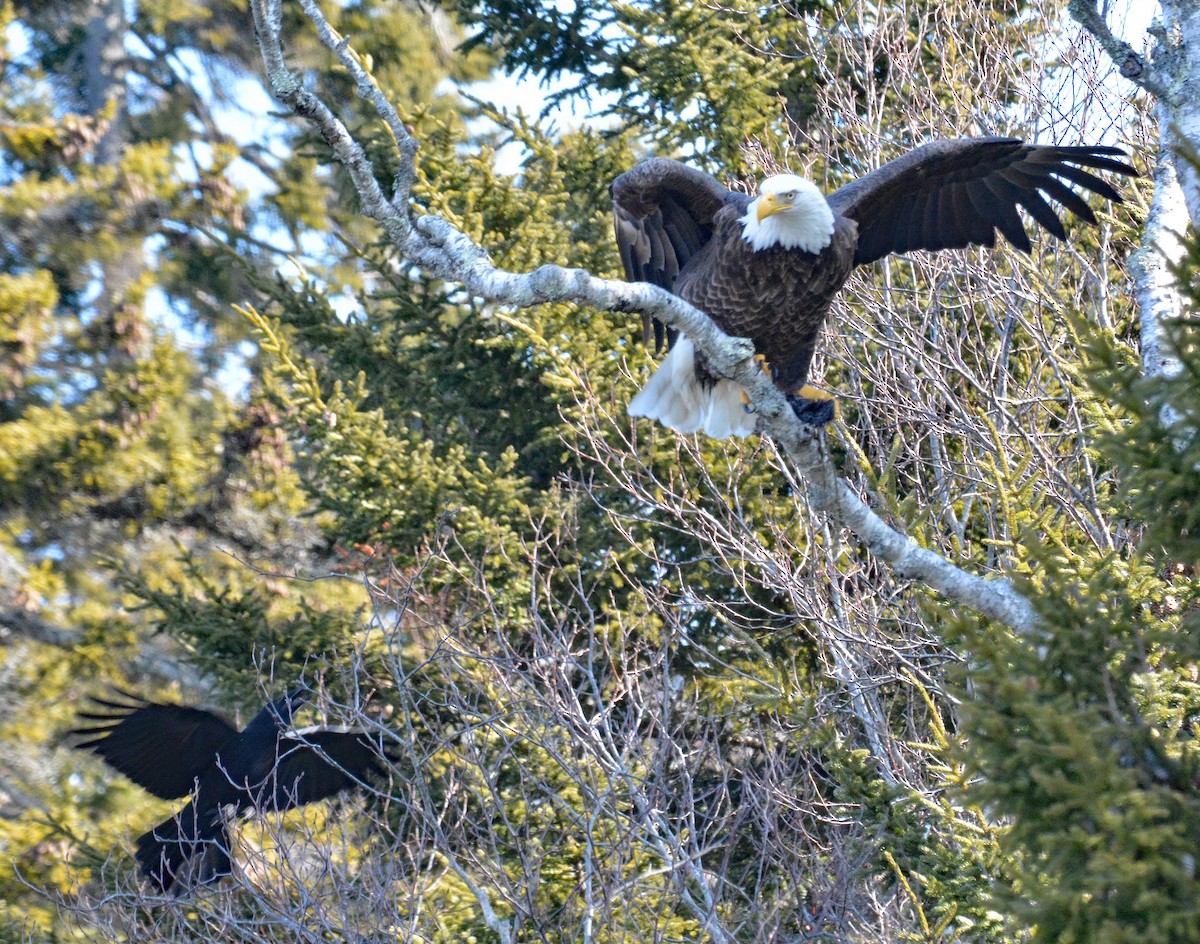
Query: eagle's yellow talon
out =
(814, 406)
(746, 404)
(809, 392)
(764, 365)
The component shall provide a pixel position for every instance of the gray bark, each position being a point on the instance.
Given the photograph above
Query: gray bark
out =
(1172, 76)
(105, 69)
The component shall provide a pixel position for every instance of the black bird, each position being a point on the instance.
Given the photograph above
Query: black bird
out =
(173, 751)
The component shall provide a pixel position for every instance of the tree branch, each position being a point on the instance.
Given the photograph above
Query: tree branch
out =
(1176, 188)
(1155, 288)
(1129, 62)
(443, 251)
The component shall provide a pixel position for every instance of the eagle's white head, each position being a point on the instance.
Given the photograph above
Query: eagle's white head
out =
(789, 212)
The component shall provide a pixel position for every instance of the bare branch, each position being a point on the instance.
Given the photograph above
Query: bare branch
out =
(1176, 193)
(1129, 62)
(443, 251)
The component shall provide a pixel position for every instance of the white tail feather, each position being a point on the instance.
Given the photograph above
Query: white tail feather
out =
(727, 414)
(675, 397)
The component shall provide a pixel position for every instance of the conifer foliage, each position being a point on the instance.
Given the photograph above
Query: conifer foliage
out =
(629, 685)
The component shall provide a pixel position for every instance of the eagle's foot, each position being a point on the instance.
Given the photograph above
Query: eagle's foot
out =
(813, 406)
(746, 404)
(765, 366)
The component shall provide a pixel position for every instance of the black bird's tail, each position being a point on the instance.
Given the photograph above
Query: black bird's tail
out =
(184, 852)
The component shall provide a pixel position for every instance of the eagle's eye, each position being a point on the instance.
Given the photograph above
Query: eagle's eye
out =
(790, 196)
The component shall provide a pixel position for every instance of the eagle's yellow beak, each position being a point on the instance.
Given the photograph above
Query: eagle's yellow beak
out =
(769, 204)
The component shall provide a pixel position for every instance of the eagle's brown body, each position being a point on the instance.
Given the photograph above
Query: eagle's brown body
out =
(745, 291)
(679, 228)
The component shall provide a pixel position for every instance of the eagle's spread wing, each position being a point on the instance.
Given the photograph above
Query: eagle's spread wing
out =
(664, 213)
(161, 748)
(956, 193)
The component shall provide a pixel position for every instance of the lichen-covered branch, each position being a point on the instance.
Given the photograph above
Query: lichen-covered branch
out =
(443, 251)
(1155, 289)
(1169, 76)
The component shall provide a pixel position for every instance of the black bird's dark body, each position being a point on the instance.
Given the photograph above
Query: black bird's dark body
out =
(173, 751)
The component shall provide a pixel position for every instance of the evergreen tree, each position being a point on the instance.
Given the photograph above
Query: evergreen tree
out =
(638, 690)
(1083, 736)
(143, 190)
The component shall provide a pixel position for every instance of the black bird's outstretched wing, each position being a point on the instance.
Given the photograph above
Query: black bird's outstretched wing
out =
(663, 216)
(950, 194)
(317, 764)
(161, 748)
(167, 749)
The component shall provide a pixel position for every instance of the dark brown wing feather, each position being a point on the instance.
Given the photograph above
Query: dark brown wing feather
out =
(663, 216)
(161, 748)
(956, 193)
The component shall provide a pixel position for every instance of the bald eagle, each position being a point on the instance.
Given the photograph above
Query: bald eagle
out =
(768, 267)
